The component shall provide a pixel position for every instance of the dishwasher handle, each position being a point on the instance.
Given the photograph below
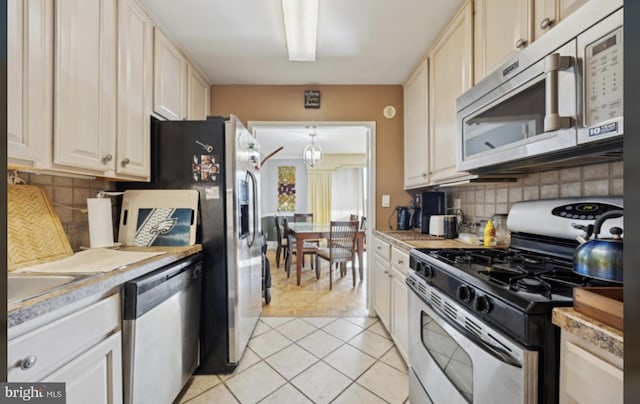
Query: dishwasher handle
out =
(148, 291)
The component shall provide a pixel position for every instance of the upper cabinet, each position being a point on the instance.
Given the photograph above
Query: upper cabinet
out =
(198, 103)
(501, 29)
(84, 90)
(450, 75)
(135, 89)
(29, 65)
(416, 151)
(547, 13)
(169, 79)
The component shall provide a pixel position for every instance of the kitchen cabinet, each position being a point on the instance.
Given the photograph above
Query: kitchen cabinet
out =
(29, 89)
(382, 286)
(588, 374)
(81, 348)
(450, 74)
(416, 152)
(501, 29)
(198, 105)
(84, 84)
(399, 301)
(547, 13)
(135, 90)
(169, 79)
(94, 376)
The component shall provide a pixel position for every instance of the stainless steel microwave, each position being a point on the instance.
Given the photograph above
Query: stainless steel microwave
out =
(558, 102)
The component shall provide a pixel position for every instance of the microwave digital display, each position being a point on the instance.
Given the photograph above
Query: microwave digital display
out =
(607, 43)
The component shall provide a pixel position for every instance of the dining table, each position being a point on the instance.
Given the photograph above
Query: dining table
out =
(304, 231)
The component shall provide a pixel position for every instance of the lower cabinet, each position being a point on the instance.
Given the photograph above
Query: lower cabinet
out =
(96, 375)
(588, 374)
(390, 268)
(82, 349)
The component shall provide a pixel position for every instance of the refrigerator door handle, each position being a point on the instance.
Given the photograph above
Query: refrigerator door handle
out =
(254, 207)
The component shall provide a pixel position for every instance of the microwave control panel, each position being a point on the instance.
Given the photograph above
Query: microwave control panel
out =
(603, 82)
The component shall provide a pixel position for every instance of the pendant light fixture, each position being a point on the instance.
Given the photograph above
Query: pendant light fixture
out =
(312, 153)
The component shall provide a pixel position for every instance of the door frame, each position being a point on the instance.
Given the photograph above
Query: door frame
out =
(371, 179)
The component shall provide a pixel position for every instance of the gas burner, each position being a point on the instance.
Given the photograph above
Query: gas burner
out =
(463, 259)
(532, 284)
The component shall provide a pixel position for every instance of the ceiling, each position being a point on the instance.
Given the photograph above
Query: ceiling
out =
(359, 41)
(294, 138)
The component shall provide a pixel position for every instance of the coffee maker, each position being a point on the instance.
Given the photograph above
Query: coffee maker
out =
(427, 204)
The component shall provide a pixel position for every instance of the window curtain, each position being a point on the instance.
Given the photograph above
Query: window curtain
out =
(348, 193)
(319, 196)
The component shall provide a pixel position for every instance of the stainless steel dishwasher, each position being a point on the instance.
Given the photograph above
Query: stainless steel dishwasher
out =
(161, 323)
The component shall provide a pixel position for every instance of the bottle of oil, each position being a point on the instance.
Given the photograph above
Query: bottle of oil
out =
(489, 234)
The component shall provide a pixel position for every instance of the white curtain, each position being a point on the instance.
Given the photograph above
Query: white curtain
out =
(348, 193)
(319, 192)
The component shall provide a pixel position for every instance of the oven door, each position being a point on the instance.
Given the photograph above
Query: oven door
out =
(530, 114)
(451, 365)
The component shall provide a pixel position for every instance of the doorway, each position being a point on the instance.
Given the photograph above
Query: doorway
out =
(334, 137)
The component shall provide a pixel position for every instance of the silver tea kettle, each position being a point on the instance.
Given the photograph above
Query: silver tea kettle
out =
(600, 258)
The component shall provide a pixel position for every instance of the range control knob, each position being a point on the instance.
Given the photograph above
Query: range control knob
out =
(465, 293)
(427, 271)
(483, 304)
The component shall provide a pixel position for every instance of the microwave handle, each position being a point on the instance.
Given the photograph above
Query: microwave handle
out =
(552, 64)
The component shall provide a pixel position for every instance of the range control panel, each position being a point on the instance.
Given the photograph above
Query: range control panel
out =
(583, 211)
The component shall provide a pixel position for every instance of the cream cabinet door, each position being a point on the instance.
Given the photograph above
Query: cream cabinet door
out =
(566, 7)
(30, 84)
(501, 29)
(382, 293)
(416, 135)
(545, 16)
(84, 100)
(95, 376)
(399, 301)
(198, 95)
(450, 74)
(135, 90)
(169, 79)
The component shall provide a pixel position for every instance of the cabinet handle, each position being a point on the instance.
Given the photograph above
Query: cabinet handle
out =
(400, 262)
(28, 362)
(378, 248)
(386, 272)
(546, 23)
(424, 175)
(107, 158)
(521, 43)
(125, 162)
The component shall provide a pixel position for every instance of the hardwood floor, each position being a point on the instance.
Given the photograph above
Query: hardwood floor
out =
(313, 297)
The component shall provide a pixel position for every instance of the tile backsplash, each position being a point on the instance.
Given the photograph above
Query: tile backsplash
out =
(68, 196)
(480, 202)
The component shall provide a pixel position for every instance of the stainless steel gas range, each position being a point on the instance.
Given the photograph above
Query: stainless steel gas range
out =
(480, 326)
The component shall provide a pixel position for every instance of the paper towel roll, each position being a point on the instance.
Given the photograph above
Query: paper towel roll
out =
(100, 222)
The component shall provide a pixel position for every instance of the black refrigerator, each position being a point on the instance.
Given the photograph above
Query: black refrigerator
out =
(217, 157)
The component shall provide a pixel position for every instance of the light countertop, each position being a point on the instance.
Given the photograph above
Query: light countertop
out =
(601, 335)
(100, 285)
(409, 239)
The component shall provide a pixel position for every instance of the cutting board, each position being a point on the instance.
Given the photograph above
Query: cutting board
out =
(34, 232)
(604, 304)
(158, 217)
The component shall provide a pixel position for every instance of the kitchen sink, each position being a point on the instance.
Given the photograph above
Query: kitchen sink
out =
(28, 285)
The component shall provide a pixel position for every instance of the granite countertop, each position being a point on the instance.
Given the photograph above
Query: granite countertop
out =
(101, 284)
(601, 335)
(408, 239)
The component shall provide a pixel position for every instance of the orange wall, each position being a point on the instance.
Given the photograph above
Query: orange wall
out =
(337, 103)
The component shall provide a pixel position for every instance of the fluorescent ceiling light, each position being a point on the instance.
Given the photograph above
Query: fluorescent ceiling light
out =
(301, 28)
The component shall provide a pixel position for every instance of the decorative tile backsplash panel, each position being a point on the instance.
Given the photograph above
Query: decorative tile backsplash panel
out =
(482, 201)
(68, 196)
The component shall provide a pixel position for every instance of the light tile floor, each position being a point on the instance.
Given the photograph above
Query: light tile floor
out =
(310, 360)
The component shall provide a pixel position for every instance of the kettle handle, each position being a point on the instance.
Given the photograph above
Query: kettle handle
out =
(598, 223)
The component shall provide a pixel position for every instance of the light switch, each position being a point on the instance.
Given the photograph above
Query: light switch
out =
(386, 201)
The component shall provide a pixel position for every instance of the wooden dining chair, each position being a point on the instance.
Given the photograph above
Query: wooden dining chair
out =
(307, 249)
(340, 250)
(283, 245)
